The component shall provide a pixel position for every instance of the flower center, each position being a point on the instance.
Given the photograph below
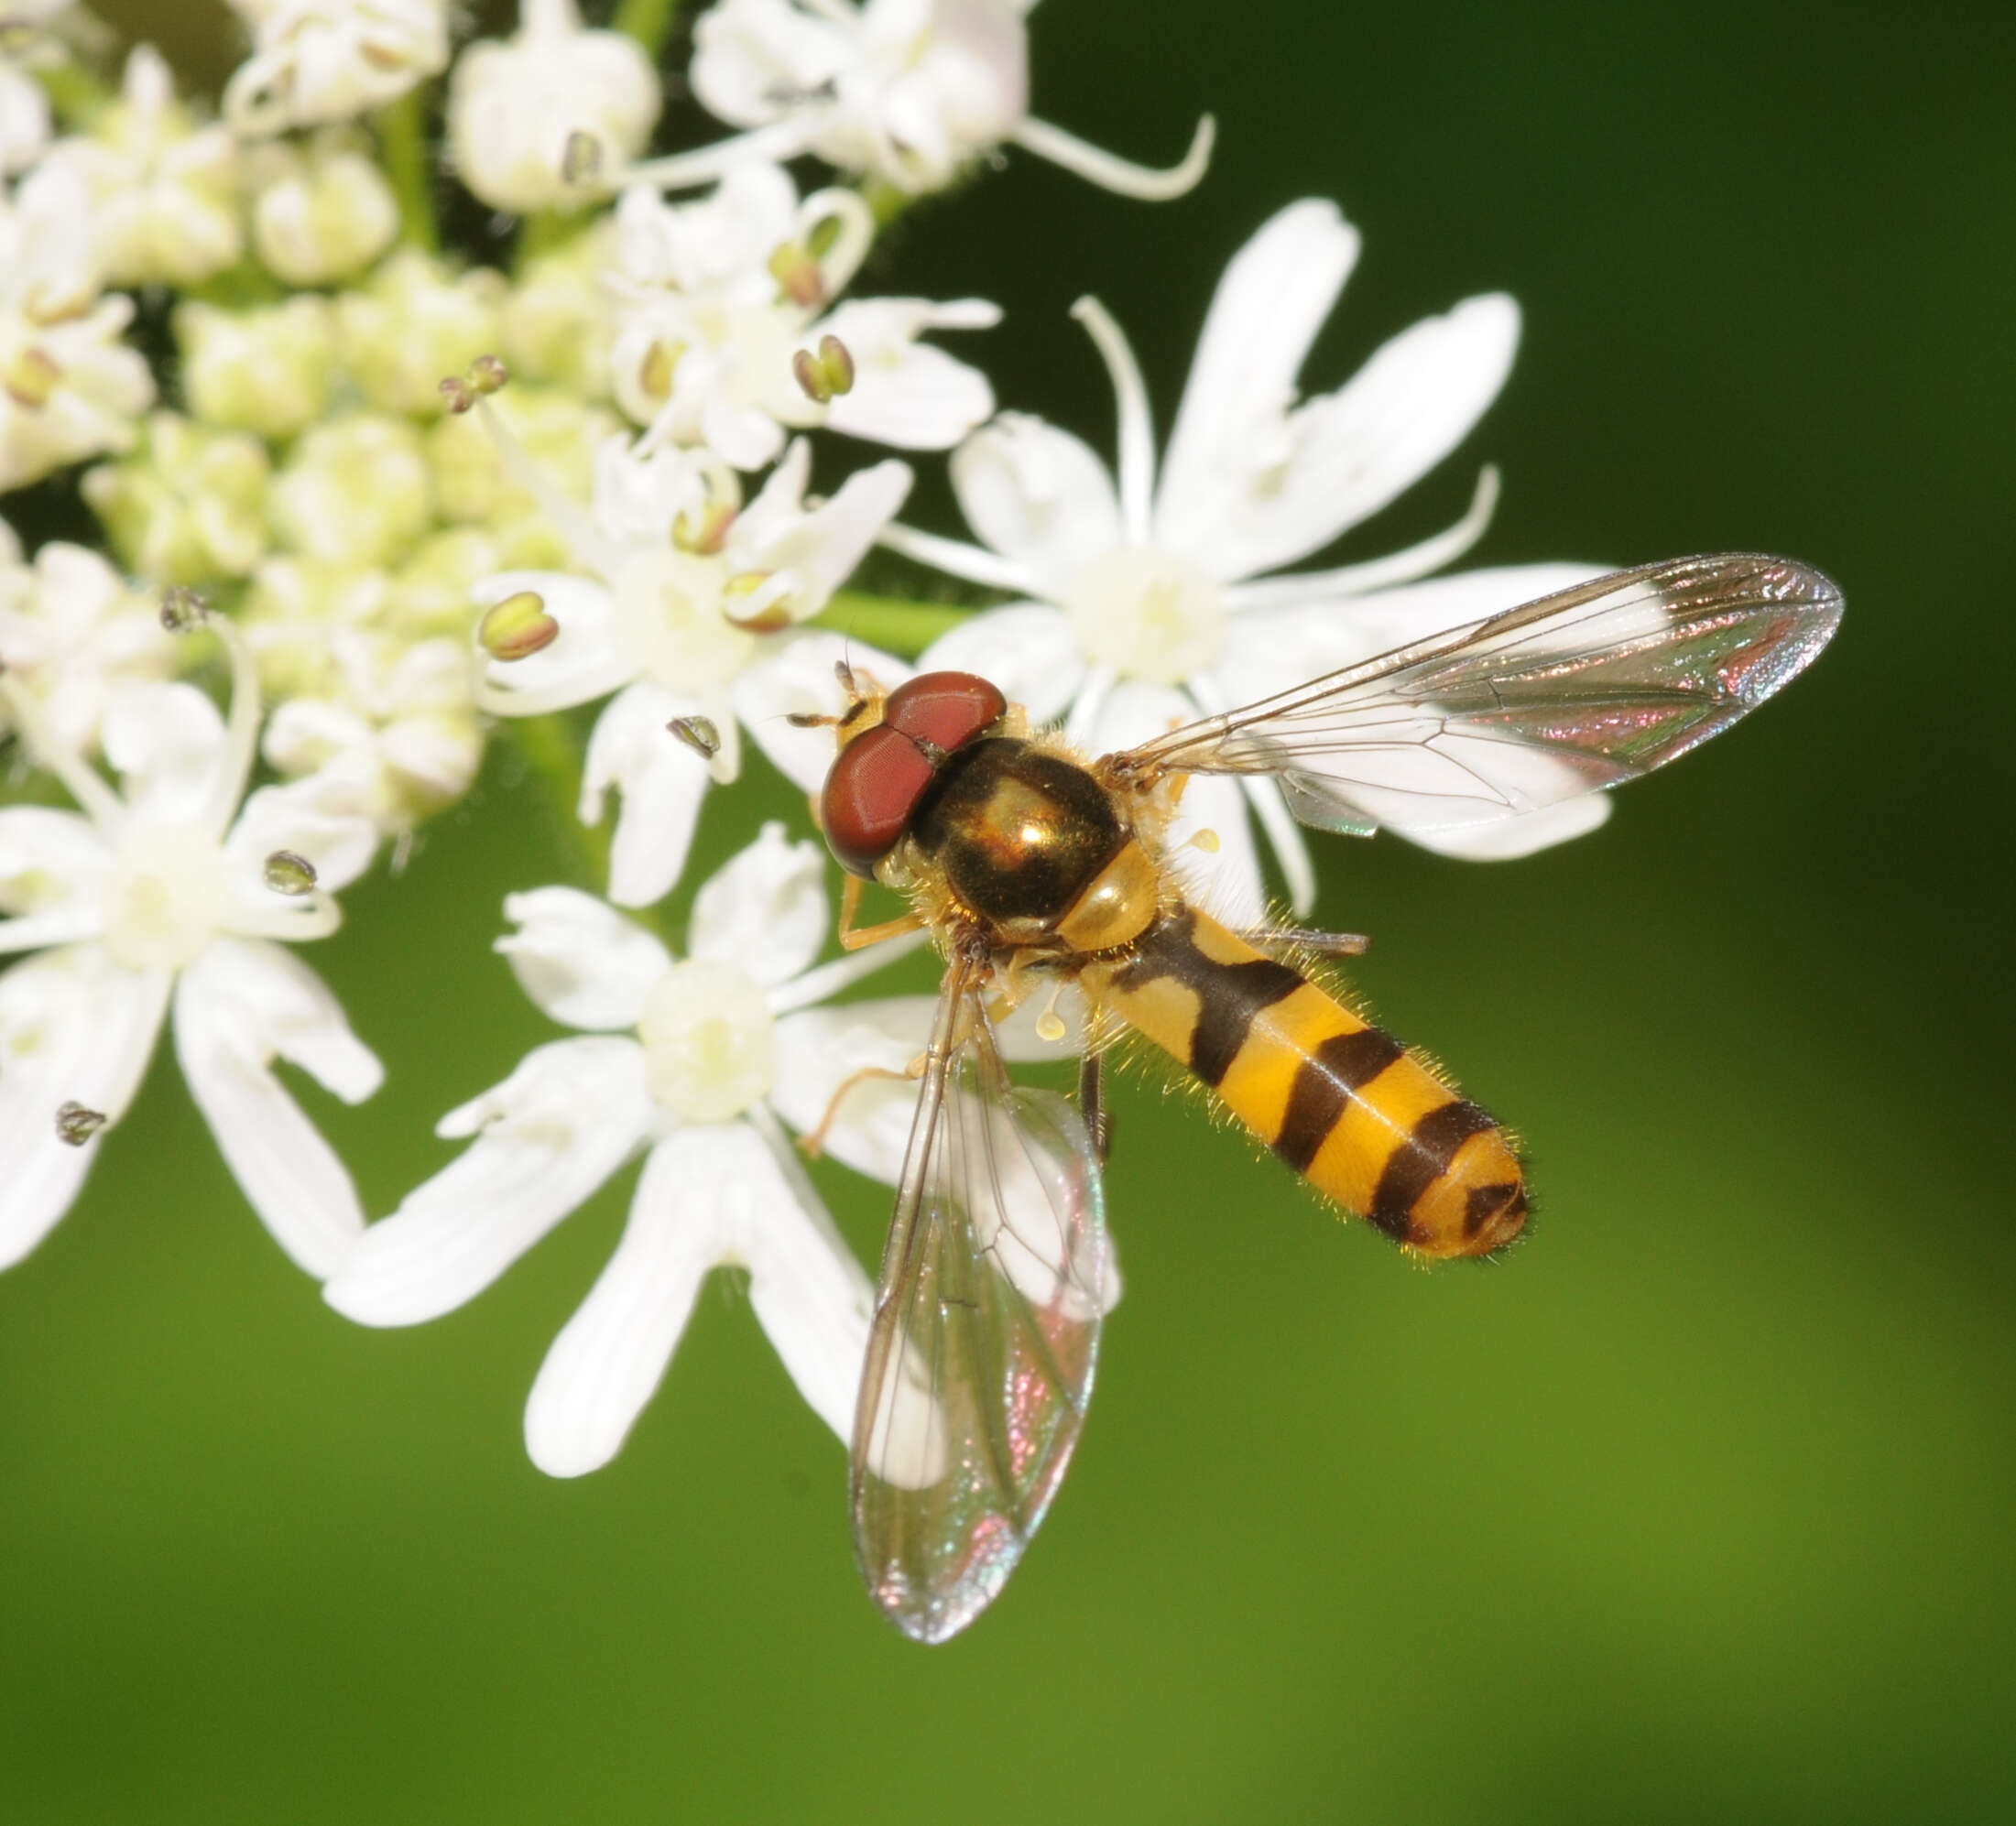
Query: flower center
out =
(710, 1050)
(169, 894)
(1146, 614)
(669, 622)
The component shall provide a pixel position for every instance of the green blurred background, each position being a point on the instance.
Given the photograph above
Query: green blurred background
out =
(1699, 1508)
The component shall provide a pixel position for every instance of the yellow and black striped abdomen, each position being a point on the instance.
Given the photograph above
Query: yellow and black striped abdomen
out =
(1342, 1102)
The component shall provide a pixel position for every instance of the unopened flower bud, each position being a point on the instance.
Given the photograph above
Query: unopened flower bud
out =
(517, 627)
(76, 1125)
(266, 370)
(322, 216)
(288, 873)
(414, 321)
(189, 506)
(354, 491)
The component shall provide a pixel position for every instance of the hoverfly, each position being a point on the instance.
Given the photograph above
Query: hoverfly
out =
(1030, 864)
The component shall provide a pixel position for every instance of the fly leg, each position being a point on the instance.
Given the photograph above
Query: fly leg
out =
(854, 937)
(1092, 1104)
(1324, 944)
(814, 1143)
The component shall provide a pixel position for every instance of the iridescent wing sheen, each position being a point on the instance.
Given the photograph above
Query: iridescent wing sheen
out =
(1568, 695)
(980, 1361)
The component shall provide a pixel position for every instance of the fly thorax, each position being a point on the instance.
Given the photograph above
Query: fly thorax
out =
(1147, 615)
(710, 1042)
(1019, 832)
(168, 895)
(669, 626)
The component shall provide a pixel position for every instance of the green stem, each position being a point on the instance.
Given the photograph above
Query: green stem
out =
(544, 233)
(402, 138)
(898, 627)
(650, 22)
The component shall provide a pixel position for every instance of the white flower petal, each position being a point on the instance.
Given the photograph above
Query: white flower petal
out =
(662, 782)
(612, 1355)
(235, 1007)
(765, 908)
(796, 679)
(1339, 458)
(312, 817)
(582, 963)
(1037, 495)
(168, 740)
(906, 393)
(571, 1113)
(819, 1050)
(1268, 650)
(1272, 300)
(74, 1027)
(51, 861)
(1026, 648)
(1510, 838)
(825, 548)
(582, 662)
(809, 1291)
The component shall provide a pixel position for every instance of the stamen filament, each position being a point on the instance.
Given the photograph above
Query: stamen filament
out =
(850, 246)
(241, 727)
(688, 170)
(575, 526)
(1122, 176)
(960, 559)
(85, 783)
(1137, 440)
(829, 979)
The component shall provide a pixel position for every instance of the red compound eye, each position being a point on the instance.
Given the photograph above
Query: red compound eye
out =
(945, 709)
(874, 787)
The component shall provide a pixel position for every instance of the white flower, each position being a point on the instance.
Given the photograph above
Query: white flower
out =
(692, 611)
(315, 61)
(165, 192)
(535, 118)
(159, 892)
(691, 1063)
(906, 89)
(72, 635)
(714, 299)
(67, 387)
(1146, 603)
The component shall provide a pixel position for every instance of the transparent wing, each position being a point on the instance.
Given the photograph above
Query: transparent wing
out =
(980, 1360)
(1568, 695)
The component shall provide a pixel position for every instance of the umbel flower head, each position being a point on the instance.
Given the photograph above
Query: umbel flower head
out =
(696, 1063)
(170, 891)
(1145, 601)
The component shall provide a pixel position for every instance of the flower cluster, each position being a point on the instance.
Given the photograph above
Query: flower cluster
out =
(366, 506)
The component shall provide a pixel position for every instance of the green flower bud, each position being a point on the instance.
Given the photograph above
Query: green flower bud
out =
(188, 506)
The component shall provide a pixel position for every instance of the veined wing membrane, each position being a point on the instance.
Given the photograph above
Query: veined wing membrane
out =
(1568, 695)
(980, 1359)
